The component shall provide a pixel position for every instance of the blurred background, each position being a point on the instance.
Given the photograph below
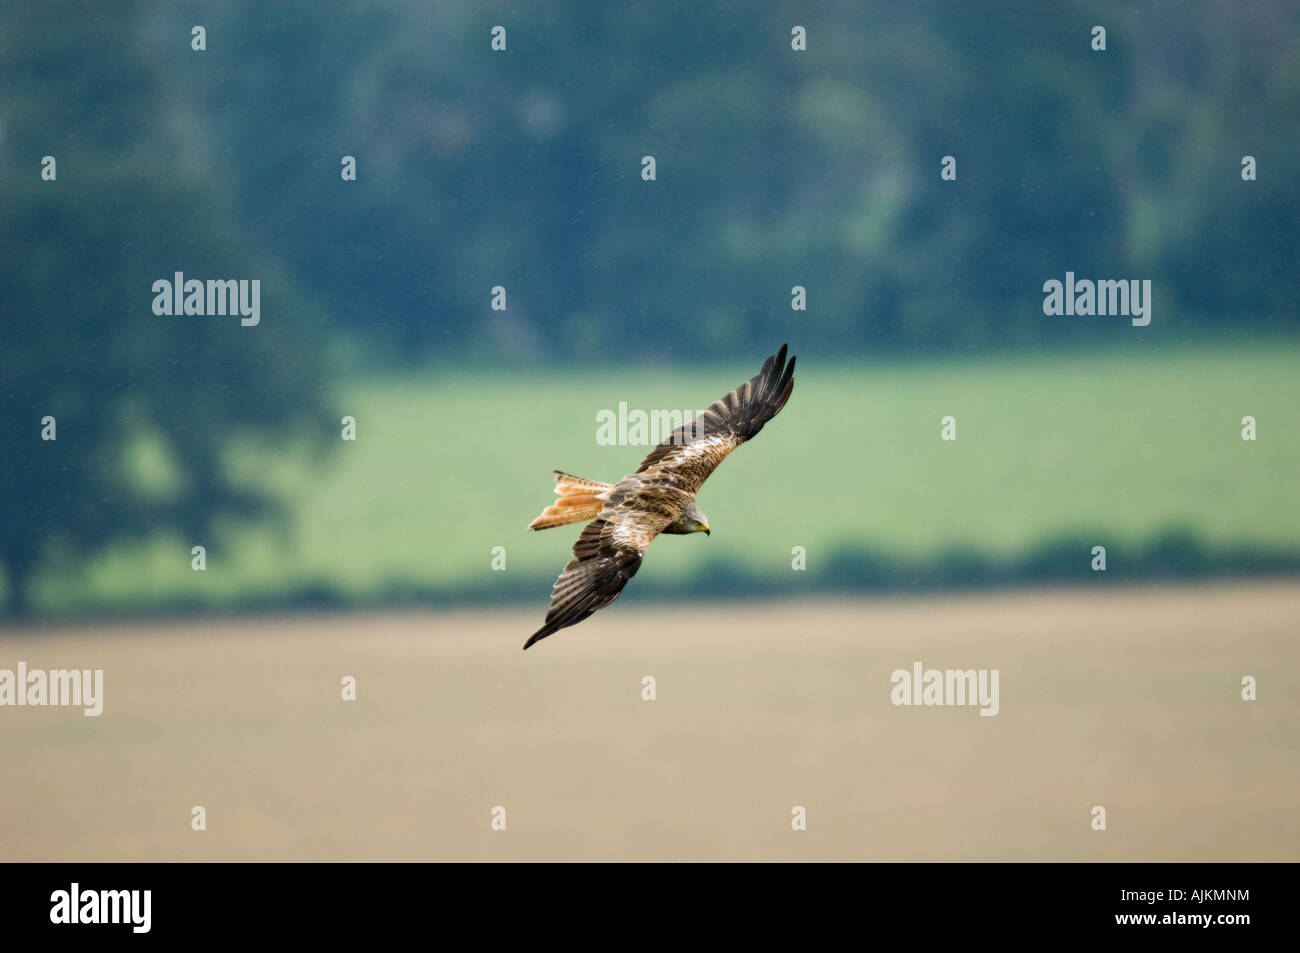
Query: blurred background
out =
(522, 169)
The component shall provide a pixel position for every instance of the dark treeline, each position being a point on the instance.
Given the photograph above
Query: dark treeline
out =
(775, 168)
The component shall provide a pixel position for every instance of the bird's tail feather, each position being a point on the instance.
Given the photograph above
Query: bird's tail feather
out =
(580, 500)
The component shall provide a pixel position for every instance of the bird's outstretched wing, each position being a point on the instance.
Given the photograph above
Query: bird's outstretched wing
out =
(607, 554)
(693, 451)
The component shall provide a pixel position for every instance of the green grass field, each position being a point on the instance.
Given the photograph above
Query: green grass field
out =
(1112, 447)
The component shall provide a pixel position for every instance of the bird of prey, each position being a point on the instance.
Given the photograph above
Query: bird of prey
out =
(658, 498)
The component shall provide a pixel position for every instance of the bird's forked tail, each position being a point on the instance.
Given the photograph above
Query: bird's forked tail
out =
(580, 500)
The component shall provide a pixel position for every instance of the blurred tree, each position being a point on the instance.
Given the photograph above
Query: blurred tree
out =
(144, 405)
(775, 168)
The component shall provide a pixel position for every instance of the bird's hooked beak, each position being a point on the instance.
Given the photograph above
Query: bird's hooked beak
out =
(705, 527)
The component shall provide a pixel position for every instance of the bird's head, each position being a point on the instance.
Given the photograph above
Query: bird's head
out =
(694, 521)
